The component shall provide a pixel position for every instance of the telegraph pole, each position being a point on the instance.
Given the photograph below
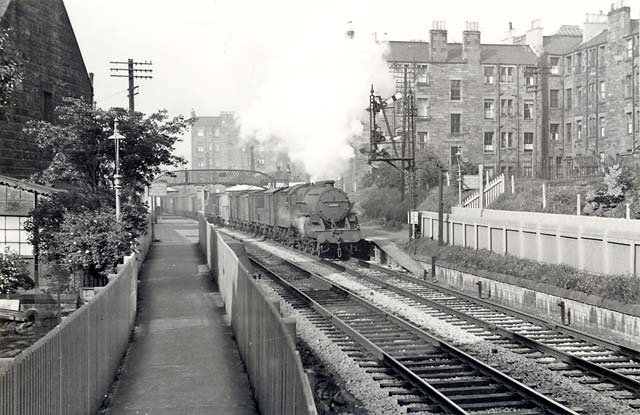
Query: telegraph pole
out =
(132, 74)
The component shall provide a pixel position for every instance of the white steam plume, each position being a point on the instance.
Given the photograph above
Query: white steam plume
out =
(313, 82)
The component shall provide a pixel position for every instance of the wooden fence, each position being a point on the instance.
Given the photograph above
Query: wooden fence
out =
(69, 370)
(266, 340)
(491, 191)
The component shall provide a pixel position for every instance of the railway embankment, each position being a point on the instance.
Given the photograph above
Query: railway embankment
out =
(605, 305)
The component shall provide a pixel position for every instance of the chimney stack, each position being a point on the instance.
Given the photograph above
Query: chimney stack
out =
(438, 41)
(471, 42)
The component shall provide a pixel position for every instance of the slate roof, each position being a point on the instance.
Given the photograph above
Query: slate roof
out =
(28, 187)
(569, 30)
(599, 39)
(489, 53)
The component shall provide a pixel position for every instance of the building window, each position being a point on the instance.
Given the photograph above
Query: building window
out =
(455, 123)
(488, 141)
(216, 132)
(554, 132)
(592, 57)
(506, 106)
(423, 107)
(554, 65)
(423, 139)
(568, 132)
(568, 64)
(568, 99)
(602, 91)
(506, 139)
(13, 235)
(489, 109)
(422, 74)
(200, 149)
(629, 123)
(216, 147)
(578, 130)
(592, 127)
(456, 89)
(554, 101)
(628, 86)
(201, 163)
(506, 74)
(578, 62)
(200, 132)
(454, 154)
(601, 52)
(528, 109)
(47, 106)
(579, 96)
(528, 142)
(591, 95)
(602, 127)
(629, 48)
(489, 76)
(529, 76)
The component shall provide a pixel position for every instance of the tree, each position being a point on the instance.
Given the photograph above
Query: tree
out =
(84, 163)
(10, 70)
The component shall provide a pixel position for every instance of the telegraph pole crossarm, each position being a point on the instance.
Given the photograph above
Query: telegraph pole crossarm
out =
(132, 74)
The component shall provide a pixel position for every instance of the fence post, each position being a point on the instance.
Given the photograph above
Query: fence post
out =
(481, 190)
(578, 205)
(544, 195)
(448, 179)
(628, 211)
(513, 185)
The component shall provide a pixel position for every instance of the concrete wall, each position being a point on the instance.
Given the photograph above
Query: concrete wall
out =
(623, 326)
(601, 245)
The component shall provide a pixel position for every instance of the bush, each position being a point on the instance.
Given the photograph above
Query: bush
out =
(622, 288)
(382, 204)
(14, 273)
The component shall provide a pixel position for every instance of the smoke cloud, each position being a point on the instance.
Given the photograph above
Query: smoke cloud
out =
(311, 81)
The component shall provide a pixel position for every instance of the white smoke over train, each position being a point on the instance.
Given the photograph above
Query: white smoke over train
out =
(312, 81)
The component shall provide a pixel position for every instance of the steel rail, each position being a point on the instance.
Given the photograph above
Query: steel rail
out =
(593, 368)
(543, 401)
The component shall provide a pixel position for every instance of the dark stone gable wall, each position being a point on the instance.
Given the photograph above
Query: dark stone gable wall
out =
(53, 69)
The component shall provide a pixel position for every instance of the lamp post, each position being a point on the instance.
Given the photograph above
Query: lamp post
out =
(459, 178)
(117, 137)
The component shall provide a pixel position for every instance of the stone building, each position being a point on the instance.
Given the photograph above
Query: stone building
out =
(216, 144)
(479, 99)
(53, 68)
(589, 87)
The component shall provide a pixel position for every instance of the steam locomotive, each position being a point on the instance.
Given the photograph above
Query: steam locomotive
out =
(314, 217)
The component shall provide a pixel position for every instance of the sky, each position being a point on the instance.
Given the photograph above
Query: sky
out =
(262, 59)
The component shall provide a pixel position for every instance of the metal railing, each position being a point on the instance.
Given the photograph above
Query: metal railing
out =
(69, 370)
(266, 340)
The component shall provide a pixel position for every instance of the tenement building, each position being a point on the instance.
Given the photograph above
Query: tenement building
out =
(475, 101)
(42, 38)
(216, 144)
(589, 87)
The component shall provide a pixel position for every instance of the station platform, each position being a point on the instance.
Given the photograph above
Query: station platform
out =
(183, 359)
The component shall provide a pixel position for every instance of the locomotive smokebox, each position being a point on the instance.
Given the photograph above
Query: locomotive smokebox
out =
(331, 204)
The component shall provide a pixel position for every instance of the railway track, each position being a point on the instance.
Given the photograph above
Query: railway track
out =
(423, 372)
(604, 366)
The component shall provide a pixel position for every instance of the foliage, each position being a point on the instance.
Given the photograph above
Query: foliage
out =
(383, 205)
(449, 198)
(84, 164)
(10, 69)
(92, 240)
(622, 288)
(611, 193)
(85, 157)
(14, 273)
